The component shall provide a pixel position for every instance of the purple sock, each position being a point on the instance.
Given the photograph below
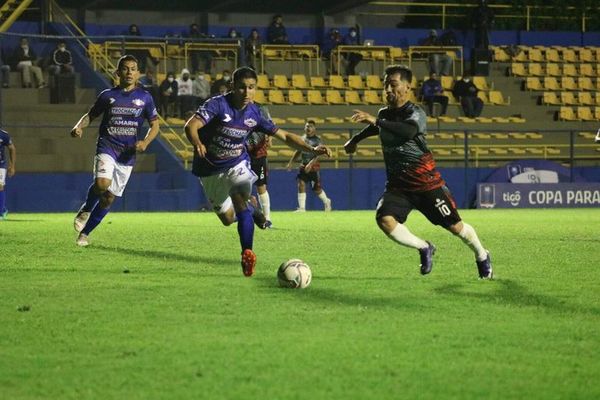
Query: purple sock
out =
(95, 218)
(2, 201)
(91, 200)
(245, 228)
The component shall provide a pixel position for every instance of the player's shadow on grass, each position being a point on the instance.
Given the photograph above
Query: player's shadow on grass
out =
(508, 292)
(166, 256)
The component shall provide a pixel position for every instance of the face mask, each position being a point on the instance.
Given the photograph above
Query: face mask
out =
(170, 79)
(226, 78)
(61, 48)
(352, 34)
(467, 80)
(201, 77)
(233, 35)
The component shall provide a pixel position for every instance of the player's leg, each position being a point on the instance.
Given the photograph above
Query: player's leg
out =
(216, 189)
(318, 190)
(392, 211)
(301, 192)
(482, 257)
(104, 167)
(3, 210)
(261, 168)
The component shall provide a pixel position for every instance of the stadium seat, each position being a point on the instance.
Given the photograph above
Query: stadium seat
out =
(586, 55)
(448, 82)
(533, 83)
(568, 55)
(569, 70)
(374, 82)
(299, 81)
(551, 83)
(336, 82)
(262, 82)
(333, 96)
(281, 82)
(355, 82)
(276, 97)
(597, 113)
(483, 96)
(585, 98)
(500, 55)
(497, 98)
(317, 82)
(552, 69)
(568, 99)
(585, 114)
(315, 97)
(585, 83)
(295, 96)
(535, 69)
(586, 70)
(259, 97)
(518, 69)
(371, 97)
(567, 114)
(352, 97)
(568, 83)
(397, 53)
(535, 55)
(480, 82)
(550, 98)
(552, 55)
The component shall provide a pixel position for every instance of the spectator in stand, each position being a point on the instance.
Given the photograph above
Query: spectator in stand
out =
(276, 33)
(353, 58)
(439, 63)
(62, 61)
(328, 51)
(201, 90)
(5, 71)
(225, 81)
(465, 91)
(141, 55)
(233, 34)
(148, 82)
(185, 93)
(433, 92)
(168, 96)
(253, 43)
(198, 56)
(26, 60)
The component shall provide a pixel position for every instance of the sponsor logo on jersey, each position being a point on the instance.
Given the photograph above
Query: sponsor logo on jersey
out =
(250, 122)
(138, 102)
(111, 100)
(227, 118)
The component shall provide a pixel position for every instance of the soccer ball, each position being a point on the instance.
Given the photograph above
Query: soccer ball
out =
(294, 274)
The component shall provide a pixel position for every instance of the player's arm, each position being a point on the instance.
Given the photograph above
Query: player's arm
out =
(83, 122)
(294, 158)
(142, 145)
(368, 131)
(296, 143)
(192, 126)
(12, 152)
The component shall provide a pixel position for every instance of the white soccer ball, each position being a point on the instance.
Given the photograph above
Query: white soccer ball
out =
(294, 274)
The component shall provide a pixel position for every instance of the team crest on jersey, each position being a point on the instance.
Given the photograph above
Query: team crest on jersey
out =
(111, 100)
(250, 123)
(227, 118)
(138, 102)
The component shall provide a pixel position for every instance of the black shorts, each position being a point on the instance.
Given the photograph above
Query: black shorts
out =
(260, 166)
(312, 177)
(437, 205)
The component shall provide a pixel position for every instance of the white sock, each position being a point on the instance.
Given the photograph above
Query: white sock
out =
(402, 235)
(265, 204)
(469, 236)
(323, 196)
(302, 201)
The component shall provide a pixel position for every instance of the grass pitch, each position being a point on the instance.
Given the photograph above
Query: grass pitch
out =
(157, 307)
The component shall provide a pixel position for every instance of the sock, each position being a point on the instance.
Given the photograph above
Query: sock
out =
(470, 238)
(245, 227)
(2, 201)
(98, 213)
(91, 200)
(323, 196)
(402, 235)
(301, 201)
(265, 204)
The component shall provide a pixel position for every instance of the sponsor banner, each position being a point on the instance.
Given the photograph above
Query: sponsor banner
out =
(543, 195)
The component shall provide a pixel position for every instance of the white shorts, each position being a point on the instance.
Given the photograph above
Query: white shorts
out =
(219, 187)
(2, 176)
(106, 167)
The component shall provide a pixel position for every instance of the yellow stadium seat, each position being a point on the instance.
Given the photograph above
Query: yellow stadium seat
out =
(397, 53)
(585, 83)
(569, 70)
(259, 96)
(315, 97)
(533, 83)
(281, 82)
(568, 55)
(374, 82)
(448, 82)
(483, 96)
(480, 82)
(500, 55)
(550, 98)
(371, 97)
(585, 114)
(585, 98)
(552, 55)
(552, 69)
(333, 96)
(551, 83)
(497, 98)
(597, 113)
(568, 98)
(586, 55)
(317, 82)
(336, 82)
(535, 55)
(295, 96)
(272, 54)
(276, 97)
(586, 70)
(567, 114)
(352, 97)
(262, 82)
(299, 81)
(568, 83)
(355, 82)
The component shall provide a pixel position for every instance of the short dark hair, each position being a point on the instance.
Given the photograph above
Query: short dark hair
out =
(243, 73)
(124, 59)
(405, 72)
(311, 122)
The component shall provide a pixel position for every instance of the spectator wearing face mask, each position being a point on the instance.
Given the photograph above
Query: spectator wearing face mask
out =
(26, 60)
(168, 96)
(201, 89)
(465, 91)
(185, 93)
(252, 45)
(224, 81)
(353, 58)
(62, 62)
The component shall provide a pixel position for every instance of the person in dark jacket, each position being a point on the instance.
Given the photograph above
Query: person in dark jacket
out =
(465, 91)
(276, 33)
(168, 96)
(62, 61)
(433, 92)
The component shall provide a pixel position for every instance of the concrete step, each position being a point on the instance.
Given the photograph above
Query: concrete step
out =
(74, 162)
(30, 97)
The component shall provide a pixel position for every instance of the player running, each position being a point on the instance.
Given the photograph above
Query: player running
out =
(125, 107)
(412, 178)
(219, 131)
(6, 168)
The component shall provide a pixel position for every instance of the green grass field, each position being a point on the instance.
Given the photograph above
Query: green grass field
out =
(157, 307)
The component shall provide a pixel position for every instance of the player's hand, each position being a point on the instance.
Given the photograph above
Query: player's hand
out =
(322, 151)
(200, 150)
(288, 167)
(308, 167)
(11, 171)
(363, 117)
(140, 146)
(350, 147)
(76, 132)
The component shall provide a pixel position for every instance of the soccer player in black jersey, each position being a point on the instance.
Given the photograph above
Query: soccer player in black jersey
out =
(412, 178)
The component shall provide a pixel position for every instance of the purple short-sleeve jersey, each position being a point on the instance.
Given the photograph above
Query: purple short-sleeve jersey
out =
(225, 132)
(5, 141)
(124, 115)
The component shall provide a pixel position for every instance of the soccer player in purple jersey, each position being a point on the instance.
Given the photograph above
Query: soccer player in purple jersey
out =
(124, 109)
(413, 180)
(6, 168)
(218, 131)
